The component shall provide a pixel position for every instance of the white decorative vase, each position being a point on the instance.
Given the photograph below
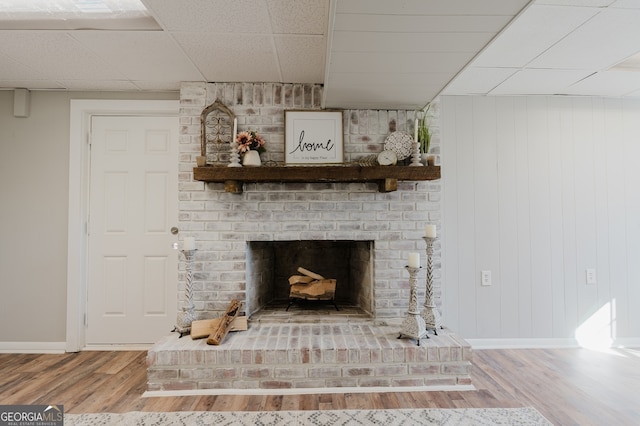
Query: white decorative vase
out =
(251, 159)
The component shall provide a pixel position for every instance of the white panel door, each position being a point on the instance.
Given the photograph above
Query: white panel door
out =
(133, 203)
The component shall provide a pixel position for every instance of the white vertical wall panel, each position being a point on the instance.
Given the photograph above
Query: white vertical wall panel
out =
(558, 285)
(486, 215)
(631, 125)
(523, 219)
(614, 156)
(538, 150)
(584, 177)
(537, 190)
(507, 217)
(449, 259)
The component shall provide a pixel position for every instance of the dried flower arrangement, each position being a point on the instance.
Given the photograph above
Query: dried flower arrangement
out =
(250, 141)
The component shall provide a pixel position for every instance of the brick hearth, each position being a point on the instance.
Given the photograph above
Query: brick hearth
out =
(270, 355)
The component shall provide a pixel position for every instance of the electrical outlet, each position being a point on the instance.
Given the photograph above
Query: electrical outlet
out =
(591, 276)
(485, 278)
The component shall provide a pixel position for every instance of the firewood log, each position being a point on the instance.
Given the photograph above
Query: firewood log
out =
(300, 279)
(316, 290)
(310, 274)
(218, 335)
(201, 329)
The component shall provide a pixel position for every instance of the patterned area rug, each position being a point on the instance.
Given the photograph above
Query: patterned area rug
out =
(429, 416)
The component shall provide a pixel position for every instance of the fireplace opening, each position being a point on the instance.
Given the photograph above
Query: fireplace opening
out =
(271, 263)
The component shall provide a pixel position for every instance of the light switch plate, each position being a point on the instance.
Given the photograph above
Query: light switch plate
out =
(485, 278)
(591, 276)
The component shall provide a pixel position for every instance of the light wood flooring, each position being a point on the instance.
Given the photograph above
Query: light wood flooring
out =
(568, 386)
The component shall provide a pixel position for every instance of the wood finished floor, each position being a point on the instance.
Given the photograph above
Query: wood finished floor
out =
(568, 386)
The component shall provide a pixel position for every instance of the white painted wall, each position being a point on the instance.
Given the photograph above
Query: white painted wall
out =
(34, 207)
(537, 190)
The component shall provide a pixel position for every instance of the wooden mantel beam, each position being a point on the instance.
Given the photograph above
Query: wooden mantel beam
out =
(385, 176)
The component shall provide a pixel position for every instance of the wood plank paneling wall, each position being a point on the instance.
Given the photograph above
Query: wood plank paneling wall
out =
(537, 190)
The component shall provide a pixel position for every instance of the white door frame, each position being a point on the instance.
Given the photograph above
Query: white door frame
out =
(79, 175)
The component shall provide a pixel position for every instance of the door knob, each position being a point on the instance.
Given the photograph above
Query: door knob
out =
(174, 230)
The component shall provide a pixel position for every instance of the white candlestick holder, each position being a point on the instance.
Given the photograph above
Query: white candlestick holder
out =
(187, 315)
(234, 155)
(430, 313)
(415, 156)
(413, 325)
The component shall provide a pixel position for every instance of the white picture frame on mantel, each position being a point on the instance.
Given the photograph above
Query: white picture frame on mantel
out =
(313, 137)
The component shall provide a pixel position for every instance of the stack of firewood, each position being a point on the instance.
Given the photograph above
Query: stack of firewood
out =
(311, 286)
(215, 330)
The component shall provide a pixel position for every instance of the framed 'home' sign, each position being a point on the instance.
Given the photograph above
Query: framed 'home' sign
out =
(313, 137)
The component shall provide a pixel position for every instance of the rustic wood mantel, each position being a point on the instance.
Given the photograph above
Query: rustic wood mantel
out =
(386, 177)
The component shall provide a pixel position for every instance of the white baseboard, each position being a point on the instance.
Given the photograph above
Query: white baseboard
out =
(517, 343)
(32, 347)
(544, 343)
(627, 342)
(119, 347)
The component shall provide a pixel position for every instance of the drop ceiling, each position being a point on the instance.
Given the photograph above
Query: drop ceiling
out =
(367, 53)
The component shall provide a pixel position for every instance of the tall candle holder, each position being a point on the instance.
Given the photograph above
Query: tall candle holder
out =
(415, 155)
(187, 316)
(430, 313)
(413, 325)
(234, 155)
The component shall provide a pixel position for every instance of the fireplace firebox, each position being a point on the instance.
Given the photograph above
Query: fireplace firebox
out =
(270, 264)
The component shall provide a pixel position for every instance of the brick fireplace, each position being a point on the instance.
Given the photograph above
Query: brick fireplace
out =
(224, 223)
(243, 241)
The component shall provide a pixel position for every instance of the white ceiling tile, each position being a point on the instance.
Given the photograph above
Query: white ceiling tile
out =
(149, 55)
(212, 16)
(531, 34)
(607, 83)
(399, 62)
(577, 3)
(432, 7)
(301, 58)
(420, 24)
(626, 4)
(478, 80)
(609, 37)
(417, 80)
(539, 82)
(54, 52)
(158, 86)
(11, 69)
(232, 57)
(299, 17)
(371, 97)
(99, 85)
(348, 41)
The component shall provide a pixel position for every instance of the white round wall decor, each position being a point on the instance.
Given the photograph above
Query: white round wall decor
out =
(399, 142)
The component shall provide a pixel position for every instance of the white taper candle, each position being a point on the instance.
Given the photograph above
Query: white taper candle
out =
(414, 260)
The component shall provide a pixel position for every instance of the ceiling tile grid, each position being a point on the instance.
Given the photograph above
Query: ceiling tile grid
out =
(368, 53)
(560, 47)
